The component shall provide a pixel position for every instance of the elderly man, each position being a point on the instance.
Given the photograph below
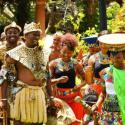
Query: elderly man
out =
(28, 58)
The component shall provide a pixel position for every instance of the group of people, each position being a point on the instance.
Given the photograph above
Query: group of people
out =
(31, 78)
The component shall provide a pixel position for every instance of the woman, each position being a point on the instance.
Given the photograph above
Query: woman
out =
(113, 94)
(56, 46)
(96, 63)
(63, 72)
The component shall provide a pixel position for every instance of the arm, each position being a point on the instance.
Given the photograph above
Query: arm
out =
(89, 70)
(54, 80)
(80, 72)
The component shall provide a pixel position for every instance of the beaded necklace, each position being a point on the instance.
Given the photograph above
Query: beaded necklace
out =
(65, 66)
(103, 59)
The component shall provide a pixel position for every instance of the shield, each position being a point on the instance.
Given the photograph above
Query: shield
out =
(65, 115)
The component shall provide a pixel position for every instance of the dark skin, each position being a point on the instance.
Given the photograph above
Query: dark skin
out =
(12, 36)
(66, 55)
(31, 42)
(117, 61)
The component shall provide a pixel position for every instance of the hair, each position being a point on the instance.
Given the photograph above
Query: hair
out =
(70, 41)
(57, 36)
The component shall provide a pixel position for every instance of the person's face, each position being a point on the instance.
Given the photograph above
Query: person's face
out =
(92, 50)
(12, 35)
(118, 59)
(66, 54)
(32, 39)
(56, 44)
(103, 48)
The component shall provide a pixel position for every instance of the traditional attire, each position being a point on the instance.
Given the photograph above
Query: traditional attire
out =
(92, 43)
(64, 90)
(29, 105)
(110, 111)
(115, 103)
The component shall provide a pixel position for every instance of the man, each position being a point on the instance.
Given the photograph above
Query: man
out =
(11, 35)
(11, 32)
(29, 104)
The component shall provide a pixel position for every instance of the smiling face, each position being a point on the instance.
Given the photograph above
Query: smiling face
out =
(66, 54)
(32, 39)
(12, 35)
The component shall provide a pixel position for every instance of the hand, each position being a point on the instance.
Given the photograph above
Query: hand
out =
(3, 104)
(63, 79)
(94, 107)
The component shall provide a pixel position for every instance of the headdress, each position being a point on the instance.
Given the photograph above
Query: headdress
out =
(115, 42)
(12, 25)
(31, 27)
(91, 40)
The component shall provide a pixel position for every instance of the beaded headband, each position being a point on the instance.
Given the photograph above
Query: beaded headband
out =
(115, 42)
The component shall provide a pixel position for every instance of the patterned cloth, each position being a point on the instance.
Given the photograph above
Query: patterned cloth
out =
(111, 113)
(29, 105)
(64, 91)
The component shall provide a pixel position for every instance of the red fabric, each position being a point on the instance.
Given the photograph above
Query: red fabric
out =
(76, 107)
(78, 111)
(98, 88)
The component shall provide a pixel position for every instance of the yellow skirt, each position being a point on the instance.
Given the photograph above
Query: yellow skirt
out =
(29, 105)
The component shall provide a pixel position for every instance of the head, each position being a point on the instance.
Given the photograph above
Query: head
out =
(32, 33)
(12, 32)
(117, 59)
(69, 43)
(91, 42)
(57, 41)
(116, 48)
(31, 39)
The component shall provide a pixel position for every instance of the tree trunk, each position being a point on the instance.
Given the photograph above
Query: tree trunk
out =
(40, 14)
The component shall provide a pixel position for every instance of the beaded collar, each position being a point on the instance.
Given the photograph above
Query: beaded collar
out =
(103, 59)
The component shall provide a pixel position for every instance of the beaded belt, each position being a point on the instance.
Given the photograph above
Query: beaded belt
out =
(63, 92)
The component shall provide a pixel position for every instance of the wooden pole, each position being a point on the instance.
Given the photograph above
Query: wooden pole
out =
(102, 13)
(40, 14)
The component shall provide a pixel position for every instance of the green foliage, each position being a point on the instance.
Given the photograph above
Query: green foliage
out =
(70, 23)
(90, 32)
(3, 22)
(112, 10)
(118, 24)
(81, 45)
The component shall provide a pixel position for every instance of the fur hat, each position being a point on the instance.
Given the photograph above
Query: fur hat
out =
(12, 25)
(31, 27)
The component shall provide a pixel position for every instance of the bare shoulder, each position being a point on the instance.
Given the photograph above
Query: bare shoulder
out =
(53, 63)
(91, 60)
(9, 60)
